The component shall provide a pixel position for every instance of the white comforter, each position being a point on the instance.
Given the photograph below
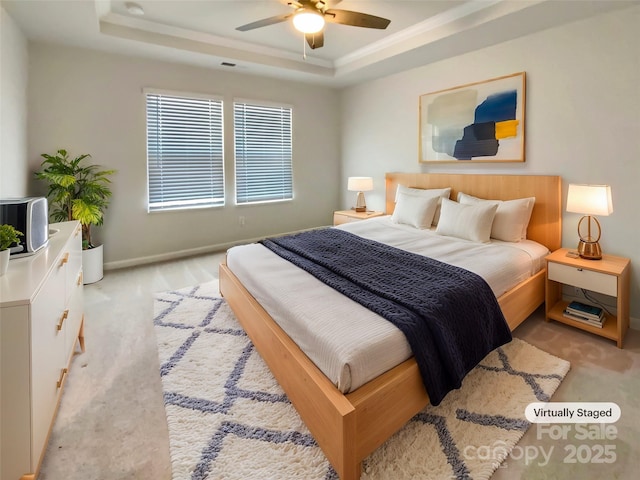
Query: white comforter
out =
(350, 344)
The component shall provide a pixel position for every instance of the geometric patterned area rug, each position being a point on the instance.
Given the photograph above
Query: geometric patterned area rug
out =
(228, 418)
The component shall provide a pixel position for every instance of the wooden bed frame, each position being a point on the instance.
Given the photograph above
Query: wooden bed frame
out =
(349, 427)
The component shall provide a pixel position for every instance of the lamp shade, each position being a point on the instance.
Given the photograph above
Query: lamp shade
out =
(590, 199)
(307, 21)
(360, 184)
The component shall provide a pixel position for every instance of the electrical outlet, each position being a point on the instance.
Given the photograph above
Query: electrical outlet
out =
(241, 220)
(577, 291)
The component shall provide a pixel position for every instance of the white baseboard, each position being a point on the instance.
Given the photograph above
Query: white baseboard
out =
(175, 255)
(163, 257)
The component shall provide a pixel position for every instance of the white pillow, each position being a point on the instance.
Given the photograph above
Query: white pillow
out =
(470, 222)
(414, 210)
(440, 193)
(512, 217)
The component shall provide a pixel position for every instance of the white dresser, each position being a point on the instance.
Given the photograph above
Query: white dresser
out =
(41, 318)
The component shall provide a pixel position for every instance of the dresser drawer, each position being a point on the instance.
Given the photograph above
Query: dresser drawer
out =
(582, 278)
(49, 317)
(72, 258)
(74, 320)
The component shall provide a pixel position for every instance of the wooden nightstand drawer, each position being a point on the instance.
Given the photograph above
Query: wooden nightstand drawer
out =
(582, 278)
(340, 219)
(348, 216)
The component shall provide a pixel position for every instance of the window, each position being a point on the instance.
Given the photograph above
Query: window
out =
(184, 151)
(262, 152)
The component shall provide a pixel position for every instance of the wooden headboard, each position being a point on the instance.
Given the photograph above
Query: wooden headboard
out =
(545, 226)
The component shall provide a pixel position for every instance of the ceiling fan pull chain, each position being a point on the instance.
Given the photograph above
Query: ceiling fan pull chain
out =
(304, 47)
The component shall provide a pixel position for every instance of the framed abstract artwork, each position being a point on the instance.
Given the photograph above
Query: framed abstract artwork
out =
(478, 122)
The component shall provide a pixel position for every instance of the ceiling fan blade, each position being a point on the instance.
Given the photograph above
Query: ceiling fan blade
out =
(356, 19)
(315, 40)
(264, 22)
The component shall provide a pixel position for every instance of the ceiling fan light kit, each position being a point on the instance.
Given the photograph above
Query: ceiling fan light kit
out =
(307, 21)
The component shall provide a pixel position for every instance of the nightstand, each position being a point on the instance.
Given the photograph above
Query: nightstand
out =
(346, 216)
(609, 276)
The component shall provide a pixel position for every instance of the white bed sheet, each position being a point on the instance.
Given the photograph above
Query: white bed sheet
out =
(350, 344)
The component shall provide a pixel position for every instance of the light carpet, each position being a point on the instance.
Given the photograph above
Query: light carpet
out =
(229, 419)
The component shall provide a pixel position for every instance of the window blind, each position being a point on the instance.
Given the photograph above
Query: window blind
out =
(184, 152)
(263, 154)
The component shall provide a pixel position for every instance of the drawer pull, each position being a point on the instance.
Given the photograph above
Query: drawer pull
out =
(65, 259)
(79, 281)
(579, 269)
(63, 374)
(62, 319)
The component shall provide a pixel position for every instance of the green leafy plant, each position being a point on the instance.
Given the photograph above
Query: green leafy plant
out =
(8, 236)
(76, 191)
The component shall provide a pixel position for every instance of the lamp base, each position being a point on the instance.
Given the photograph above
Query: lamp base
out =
(361, 206)
(589, 250)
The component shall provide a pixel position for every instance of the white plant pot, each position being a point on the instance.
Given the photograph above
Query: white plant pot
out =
(4, 261)
(92, 261)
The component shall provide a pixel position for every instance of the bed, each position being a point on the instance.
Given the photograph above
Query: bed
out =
(349, 426)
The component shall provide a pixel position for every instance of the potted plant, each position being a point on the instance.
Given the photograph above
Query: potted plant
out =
(8, 236)
(78, 192)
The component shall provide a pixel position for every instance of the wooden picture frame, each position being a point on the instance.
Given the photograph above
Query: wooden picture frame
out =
(473, 123)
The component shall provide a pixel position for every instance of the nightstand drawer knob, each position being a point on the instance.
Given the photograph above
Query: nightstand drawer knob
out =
(579, 269)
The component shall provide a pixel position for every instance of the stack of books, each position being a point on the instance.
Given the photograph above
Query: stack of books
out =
(589, 314)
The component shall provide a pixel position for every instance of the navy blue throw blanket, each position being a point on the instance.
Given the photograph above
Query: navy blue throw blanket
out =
(449, 315)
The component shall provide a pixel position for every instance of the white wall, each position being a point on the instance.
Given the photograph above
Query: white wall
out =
(582, 119)
(582, 123)
(13, 108)
(92, 102)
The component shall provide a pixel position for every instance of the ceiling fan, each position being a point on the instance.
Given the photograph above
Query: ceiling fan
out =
(310, 16)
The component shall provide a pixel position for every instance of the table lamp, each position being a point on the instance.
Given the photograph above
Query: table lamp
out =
(360, 185)
(589, 200)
